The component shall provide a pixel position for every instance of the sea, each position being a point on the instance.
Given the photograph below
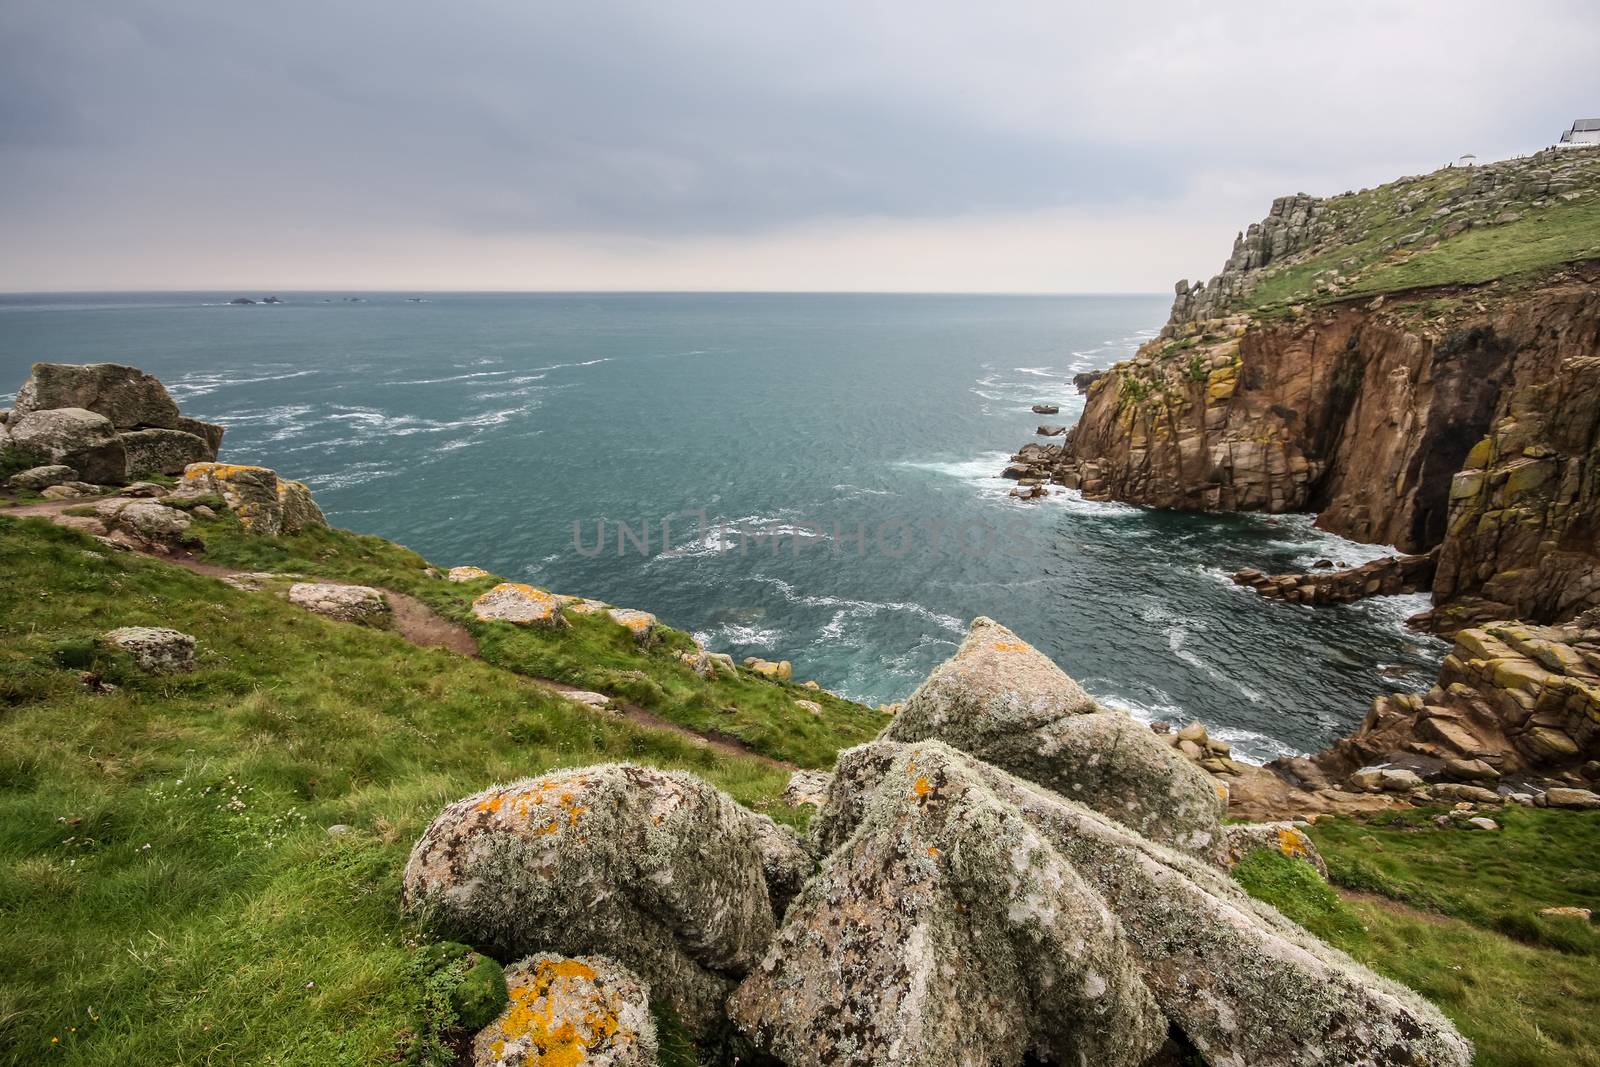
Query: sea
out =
(811, 477)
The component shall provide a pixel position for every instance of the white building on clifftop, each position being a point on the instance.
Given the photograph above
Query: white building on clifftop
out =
(1583, 132)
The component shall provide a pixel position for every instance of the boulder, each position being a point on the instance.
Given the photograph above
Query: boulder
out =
(807, 788)
(708, 664)
(780, 670)
(657, 868)
(467, 574)
(148, 520)
(809, 706)
(1047, 409)
(1576, 799)
(563, 1011)
(37, 478)
(1284, 837)
(155, 649)
(1005, 702)
(73, 437)
(158, 451)
(209, 432)
(588, 698)
(968, 916)
(126, 396)
(263, 503)
(641, 624)
(342, 603)
(786, 864)
(518, 603)
(69, 491)
(148, 490)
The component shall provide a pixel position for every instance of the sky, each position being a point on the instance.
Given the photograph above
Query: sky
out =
(860, 145)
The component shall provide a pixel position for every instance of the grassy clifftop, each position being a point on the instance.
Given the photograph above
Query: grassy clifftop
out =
(170, 893)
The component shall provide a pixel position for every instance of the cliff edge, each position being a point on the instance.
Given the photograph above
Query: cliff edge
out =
(1415, 363)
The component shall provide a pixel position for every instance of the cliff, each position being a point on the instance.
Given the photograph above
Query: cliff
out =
(1414, 363)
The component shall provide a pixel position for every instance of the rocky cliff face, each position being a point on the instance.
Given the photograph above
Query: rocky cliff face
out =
(1463, 416)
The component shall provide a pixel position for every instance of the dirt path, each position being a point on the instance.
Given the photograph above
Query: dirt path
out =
(420, 625)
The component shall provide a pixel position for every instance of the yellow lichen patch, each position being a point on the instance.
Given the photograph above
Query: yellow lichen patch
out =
(557, 1015)
(921, 787)
(933, 850)
(1291, 842)
(492, 804)
(1010, 646)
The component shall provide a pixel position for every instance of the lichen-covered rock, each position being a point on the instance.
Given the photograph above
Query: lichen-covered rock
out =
(807, 787)
(778, 670)
(37, 478)
(785, 861)
(73, 437)
(519, 603)
(1067, 927)
(161, 451)
(1005, 702)
(656, 868)
(564, 1012)
(342, 603)
(209, 432)
(467, 574)
(945, 930)
(1285, 837)
(127, 396)
(641, 624)
(299, 509)
(708, 664)
(148, 520)
(155, 649)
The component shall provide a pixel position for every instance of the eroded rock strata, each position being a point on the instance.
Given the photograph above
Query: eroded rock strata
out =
(1463, 417)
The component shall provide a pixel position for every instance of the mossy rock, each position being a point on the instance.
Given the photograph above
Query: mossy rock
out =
(479, 993)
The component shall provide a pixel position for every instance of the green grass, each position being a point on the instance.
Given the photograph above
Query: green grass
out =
(591, 651)
(1531, 1000)
(168, 891)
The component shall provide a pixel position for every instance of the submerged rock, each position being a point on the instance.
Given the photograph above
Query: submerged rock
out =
(1005, 702)
(656, 868)
(968, 916)
(564, 1012)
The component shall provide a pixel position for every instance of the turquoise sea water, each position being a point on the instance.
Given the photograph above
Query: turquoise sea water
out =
(826, 463)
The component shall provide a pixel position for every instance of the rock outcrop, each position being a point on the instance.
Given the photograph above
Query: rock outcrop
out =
(656, 869)
(1462, 417)
(1381, 577)
(967, 916)
(108, 422)
(563, 1012)
(519, 603)
(1003, 701)
(264, 503)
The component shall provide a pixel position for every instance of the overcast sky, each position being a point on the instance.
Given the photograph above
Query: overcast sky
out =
(699, 144)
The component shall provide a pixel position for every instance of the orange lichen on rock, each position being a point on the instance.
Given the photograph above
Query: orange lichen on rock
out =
(1010, 646)
(922, 788)
(565, 1012)
(1291, 842)
(519, 603)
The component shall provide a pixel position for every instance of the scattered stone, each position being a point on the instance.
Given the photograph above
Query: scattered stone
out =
(1481, 822)
(147, 490)
(76, 438)
(640, 623)
(1576, 799)
(342, 603)
(781, 670)
(1050, 430)
(147, 520)
(658, 868)
(467, 574)
(1005, 702)
(37, 478)
(598, 701)
(339, 829)
(807, 787)
(809, 705)
(1462, 793)
(1567, 913)
(69, 491)
(1284, 837)
(708, 664)
(563, 1012)
(1047, 409)
(155, 649)
(518, 603)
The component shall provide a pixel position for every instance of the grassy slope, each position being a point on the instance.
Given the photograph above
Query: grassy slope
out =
(1541, 240)
(168, 892)
(244, 933)
(1527, 1000)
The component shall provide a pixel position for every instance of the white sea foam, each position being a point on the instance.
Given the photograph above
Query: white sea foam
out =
(197, 383)
(733, 633)
(860, 608)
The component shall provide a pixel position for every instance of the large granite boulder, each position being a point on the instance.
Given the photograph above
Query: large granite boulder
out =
(341, 603)
(209, 432)
(148, 520)
(1005, 702)
(968, 916)
(161, 451)
(263, 503)
(127, 396)
(563, 1012)
(520, 603)
(73, 437)
(656, 869)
